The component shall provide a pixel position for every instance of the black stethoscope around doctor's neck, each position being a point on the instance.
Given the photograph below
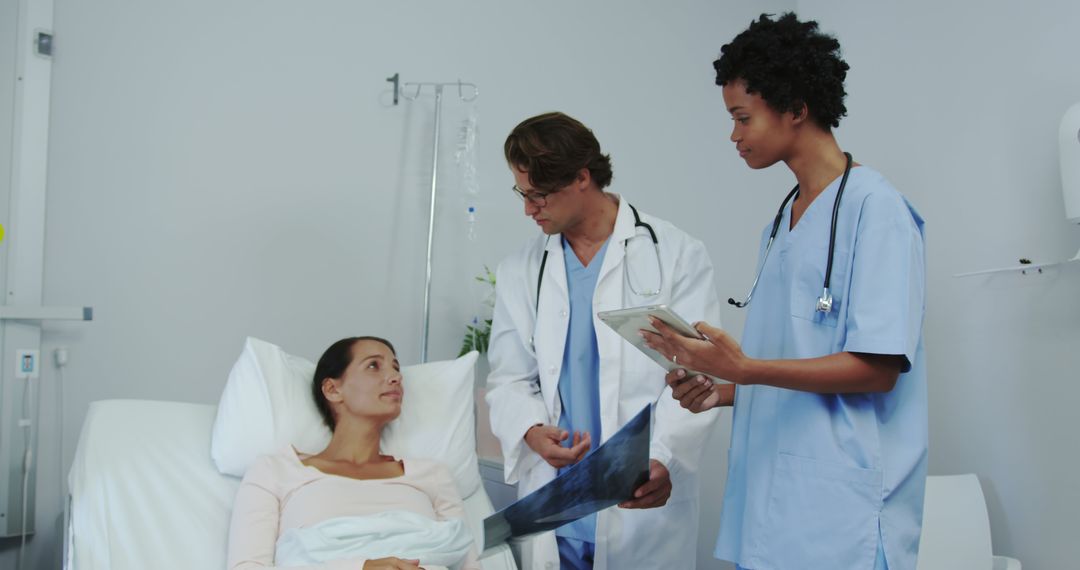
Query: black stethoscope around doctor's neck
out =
(645, 292)
(825, 302)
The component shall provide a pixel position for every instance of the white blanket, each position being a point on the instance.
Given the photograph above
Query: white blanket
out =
(393, 533)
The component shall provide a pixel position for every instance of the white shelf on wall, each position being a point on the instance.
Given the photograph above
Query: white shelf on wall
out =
(1023, 268)
(20, 313)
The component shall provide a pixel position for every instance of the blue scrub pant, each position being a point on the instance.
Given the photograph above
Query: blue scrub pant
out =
(575, 554)
(879, 564)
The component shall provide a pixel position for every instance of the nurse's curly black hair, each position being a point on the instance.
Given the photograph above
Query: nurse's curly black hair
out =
(788, 63)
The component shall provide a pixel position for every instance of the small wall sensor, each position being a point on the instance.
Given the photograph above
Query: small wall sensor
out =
(43, 43)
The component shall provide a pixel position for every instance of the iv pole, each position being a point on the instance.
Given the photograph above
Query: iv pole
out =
(411, 92)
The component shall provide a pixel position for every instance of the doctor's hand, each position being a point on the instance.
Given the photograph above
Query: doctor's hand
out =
(698, 393)
(718, 354)
(546, 441)
(652, 493)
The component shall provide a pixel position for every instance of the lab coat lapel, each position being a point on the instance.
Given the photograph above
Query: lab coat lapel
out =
(609, 295)
(616, 251)
(552, 323)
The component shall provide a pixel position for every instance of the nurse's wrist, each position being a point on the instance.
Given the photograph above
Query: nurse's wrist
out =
(726, 393)
(748, 372)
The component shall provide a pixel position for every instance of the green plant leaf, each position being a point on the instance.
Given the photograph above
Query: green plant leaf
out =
(478, 337)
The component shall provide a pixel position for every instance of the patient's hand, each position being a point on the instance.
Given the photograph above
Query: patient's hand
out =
(391, 564)
(546, 441)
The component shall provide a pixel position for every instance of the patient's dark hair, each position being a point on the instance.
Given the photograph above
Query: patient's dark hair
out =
(332, 364)
(553, 148)
(788, 62)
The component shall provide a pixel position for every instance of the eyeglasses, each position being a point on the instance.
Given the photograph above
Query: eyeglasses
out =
(538, 199)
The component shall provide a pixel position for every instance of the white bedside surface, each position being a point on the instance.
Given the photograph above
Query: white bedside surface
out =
(491, 474)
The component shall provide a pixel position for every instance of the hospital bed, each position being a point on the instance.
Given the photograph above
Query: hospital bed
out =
(145, 492)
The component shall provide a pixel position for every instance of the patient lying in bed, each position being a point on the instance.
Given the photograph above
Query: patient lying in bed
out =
(350, 507)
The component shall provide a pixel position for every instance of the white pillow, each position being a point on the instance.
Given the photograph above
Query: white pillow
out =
(267, 404)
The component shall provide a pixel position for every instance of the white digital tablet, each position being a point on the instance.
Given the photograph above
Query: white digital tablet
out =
(628, 323)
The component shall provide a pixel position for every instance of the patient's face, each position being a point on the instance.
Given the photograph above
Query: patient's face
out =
(371, 386)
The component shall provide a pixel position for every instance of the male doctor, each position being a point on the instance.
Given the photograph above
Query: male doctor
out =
(561, 381)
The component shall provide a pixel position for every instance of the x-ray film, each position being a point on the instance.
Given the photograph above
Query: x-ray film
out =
(607, 476)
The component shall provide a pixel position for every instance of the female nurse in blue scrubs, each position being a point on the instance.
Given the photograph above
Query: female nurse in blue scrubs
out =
(827, 463)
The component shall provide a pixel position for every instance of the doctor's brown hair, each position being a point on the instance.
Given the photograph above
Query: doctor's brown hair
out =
(553, 148)
(332, 365)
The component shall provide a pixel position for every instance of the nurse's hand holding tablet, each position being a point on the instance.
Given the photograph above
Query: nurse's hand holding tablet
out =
(716, 354)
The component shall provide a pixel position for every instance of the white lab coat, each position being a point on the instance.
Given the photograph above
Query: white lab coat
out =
(523, 387)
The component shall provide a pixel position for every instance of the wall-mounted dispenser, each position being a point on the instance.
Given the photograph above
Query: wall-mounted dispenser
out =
(1069, 148)
(1069, 143)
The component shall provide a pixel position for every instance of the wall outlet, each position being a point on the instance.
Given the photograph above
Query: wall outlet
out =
(27, 363)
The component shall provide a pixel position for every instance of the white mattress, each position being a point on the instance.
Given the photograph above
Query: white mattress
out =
(145, 494)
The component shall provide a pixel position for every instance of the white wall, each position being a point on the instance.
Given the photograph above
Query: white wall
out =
(220, 170)
(8, 33)
(959, 104)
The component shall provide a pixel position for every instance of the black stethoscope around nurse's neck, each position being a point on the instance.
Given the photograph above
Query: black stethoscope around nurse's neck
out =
(825, 302)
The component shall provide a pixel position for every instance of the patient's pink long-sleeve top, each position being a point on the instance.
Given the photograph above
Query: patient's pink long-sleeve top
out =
(279, 493)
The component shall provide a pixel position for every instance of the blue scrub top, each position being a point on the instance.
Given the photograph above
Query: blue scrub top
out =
(579, 381)
(820, 480)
